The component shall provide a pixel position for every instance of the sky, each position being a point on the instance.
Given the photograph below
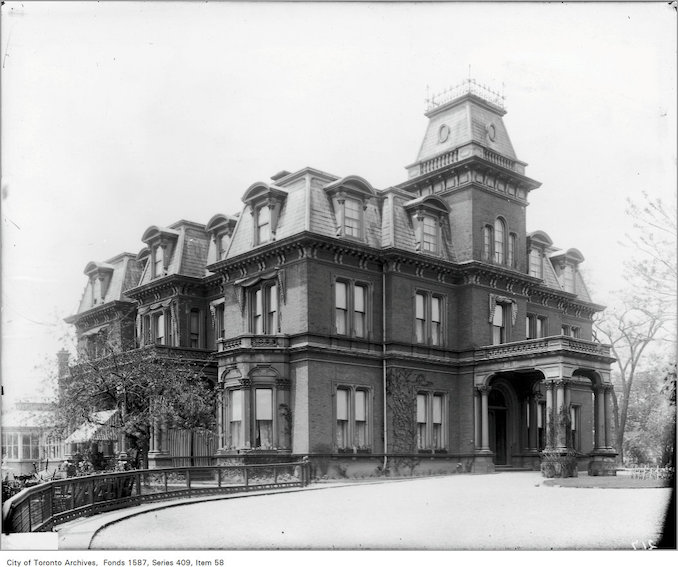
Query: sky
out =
(121, 115)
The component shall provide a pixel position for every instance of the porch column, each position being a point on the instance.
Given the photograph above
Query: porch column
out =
(485, 418)
(525, 422)
(476, 419)
(561, 430)
(220, 415)
(155, 437)
(532, 441)
(610, 441)
(600, 417)
(548, 418)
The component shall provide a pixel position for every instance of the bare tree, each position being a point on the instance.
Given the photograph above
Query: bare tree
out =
(629, 331)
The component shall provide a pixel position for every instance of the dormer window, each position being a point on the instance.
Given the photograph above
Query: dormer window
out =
(158, 261)
(265, 202)
(352, 217)
(566, 268)
(536, 263)
(429, 242)
(263, 223)
(427, 216)
(99, 278)
(221, 229)
(159, 242)
(350, 197)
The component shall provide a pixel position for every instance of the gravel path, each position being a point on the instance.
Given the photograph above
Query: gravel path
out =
(501, 511)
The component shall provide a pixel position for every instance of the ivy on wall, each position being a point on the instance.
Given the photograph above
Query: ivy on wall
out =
(402, 386)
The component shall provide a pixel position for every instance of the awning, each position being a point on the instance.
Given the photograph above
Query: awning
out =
(93, 331)
(98, 428)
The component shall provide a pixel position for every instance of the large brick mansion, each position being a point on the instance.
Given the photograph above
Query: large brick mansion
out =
(418, 322)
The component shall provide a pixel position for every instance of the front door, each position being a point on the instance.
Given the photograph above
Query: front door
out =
(498, 430)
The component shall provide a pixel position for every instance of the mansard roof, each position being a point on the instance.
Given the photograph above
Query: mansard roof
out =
(116, 276)
(186, 244)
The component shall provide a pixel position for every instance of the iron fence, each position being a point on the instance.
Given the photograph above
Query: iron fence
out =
(41, 507)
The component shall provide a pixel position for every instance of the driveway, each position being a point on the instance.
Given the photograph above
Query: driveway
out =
(500, 511)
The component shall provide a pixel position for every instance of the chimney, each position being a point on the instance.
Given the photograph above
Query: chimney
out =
(62, 357)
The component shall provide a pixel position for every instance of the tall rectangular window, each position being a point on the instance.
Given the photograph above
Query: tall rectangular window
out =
(235, 414)
(499, 241)
(420, 317)
(30, 446)
(541, 327)
(352, 215)
(529, 327)
(159, 328)
(488, 237)
(342, 418)
(436, 321)
(341, 307)
(359, 293)
(511, 260)
(158, 262)
(422, 418)
(535, 263)
(576, 331)
(264, 309)
(263, 214)
(565, 330)
(10, 446)
(360, 436)
(430, 235)
(499, 324)
(194, 328)
(437, 422)
(263, 415)
(219, 313)
(351, 308)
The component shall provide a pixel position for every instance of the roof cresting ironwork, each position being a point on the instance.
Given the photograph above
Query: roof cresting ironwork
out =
(468, 86)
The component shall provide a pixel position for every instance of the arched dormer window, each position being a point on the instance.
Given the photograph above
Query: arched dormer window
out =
(537, 244)
(221, 229)
(566, 265)
(99, 275)
(427, 215)
(265, 202)
(350, 196)
(160, 242)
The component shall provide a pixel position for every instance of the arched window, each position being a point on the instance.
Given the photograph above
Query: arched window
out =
(499, 241)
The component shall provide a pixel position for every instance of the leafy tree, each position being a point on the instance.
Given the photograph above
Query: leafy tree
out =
(146, 385)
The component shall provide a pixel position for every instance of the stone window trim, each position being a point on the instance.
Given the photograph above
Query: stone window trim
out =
(160, 241)
(196, 325)
(244, 285)
(425, 213)
(221, 227)
(350, 307)
(536, 326)
(426, 335)
(353, 188)
(261, 195)
(503, 300)
(428, 442)
(99, 275)
(145, 326)
(353, 420)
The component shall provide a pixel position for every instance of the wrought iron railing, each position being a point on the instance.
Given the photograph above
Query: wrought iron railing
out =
(39, 508)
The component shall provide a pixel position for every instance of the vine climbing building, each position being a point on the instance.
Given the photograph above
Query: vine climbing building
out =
(415, 328)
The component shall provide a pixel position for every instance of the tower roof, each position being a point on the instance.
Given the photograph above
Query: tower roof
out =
(463, 119)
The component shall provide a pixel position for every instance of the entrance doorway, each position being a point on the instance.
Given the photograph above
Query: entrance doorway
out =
(498, 427)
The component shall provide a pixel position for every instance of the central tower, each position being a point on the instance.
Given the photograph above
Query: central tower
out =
(468, 160)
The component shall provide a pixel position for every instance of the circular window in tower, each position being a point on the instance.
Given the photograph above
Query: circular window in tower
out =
(491, 132)
(443, 133)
